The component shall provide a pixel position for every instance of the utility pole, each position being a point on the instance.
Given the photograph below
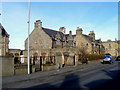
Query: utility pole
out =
(1, 12)
(28, 36)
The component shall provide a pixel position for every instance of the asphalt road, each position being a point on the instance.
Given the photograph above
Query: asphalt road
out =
(91, 76)
(103, 76)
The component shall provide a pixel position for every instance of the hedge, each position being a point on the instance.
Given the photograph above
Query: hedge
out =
(94, 57)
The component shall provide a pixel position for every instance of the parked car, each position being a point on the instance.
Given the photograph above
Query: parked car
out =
(108, 59)
(118, 58)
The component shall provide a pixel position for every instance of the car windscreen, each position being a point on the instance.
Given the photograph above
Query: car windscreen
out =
(107, 56)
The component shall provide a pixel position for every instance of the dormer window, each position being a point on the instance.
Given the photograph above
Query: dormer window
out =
(58, 42)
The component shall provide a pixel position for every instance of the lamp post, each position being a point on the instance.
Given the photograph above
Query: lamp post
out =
(28, 36)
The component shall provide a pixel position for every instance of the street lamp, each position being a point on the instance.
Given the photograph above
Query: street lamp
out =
(28, 36)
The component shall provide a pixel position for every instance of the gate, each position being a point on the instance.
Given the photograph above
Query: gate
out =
(42, 61)
(37, 61)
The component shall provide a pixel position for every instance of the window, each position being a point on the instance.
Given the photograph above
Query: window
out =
(87, 44)
(70, 42)
(58, 42)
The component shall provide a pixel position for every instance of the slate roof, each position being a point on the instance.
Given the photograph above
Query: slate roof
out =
(88, 37)
(3, 31)
(52, 33)
(66, 36)
(97, 42)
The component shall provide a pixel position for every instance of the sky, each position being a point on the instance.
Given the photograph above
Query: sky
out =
(100, 17)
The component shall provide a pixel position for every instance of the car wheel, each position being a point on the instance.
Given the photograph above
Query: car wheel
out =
(110, 62)
(103, 62)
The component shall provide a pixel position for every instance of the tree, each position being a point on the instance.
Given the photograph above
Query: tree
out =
(82, 52)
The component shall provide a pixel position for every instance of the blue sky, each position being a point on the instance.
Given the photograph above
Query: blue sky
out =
(101, 17)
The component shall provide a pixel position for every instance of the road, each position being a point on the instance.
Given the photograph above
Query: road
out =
(90, 76)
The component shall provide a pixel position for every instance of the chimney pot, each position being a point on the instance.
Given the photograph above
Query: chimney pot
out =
(62, 29)
(38, 24)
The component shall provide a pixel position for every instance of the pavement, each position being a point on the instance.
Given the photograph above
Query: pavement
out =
(25, 77)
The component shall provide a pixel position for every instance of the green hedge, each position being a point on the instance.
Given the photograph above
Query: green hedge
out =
(94, 57)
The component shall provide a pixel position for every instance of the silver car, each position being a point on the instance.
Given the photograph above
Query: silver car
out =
(108, 59)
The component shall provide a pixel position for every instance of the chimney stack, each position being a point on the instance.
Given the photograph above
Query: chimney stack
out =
(79, 31)
(70, 32)
(92, 34)
(62, 29)
(38, 24)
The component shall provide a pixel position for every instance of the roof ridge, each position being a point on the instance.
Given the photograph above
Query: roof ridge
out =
(50, 29)
(4, 32)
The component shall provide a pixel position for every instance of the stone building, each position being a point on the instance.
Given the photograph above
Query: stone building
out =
(4, 44)
(118, 47)
(49, 43)
(4, 41)
(16, 53)
(87, 42)
(111, 47)
(44, 38)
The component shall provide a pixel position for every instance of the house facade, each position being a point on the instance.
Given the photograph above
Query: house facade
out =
(49, 43)
(111, 47)
(44, 38)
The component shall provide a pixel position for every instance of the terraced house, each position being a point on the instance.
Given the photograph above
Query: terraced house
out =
(47, 42)
(56, 47)
(112, 47)
(44, 38)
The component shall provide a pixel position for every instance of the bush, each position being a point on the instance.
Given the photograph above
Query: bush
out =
(94, 56)
(48, 62)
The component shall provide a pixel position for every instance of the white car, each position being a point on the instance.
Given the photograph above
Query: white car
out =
(108, 59)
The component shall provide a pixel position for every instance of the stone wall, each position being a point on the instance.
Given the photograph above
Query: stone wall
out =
(49, 67)
(111, 47)
(71, 59)
(82, 43)
(7, 66)
(58, 59)
(15, 52)
(38, 40)
(49, 52)
(118, 47)
(23, 70)
(4, 45)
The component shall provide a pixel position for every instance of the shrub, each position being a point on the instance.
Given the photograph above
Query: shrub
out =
(48, 62)
(94, 56)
